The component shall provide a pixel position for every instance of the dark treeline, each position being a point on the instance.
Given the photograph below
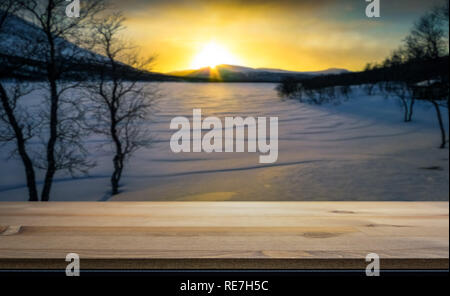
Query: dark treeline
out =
(80, 70)
(410, 72)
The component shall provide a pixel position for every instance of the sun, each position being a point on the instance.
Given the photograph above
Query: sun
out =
(211, 55)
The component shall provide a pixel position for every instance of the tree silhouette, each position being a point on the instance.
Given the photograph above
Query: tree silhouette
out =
(18, 125)
(120, 104)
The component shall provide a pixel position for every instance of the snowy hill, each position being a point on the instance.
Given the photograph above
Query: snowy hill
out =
(21, 38)
(246, 74)
(23, 51)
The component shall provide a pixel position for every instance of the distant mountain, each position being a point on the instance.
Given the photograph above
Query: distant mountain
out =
(232, 73)
(330, 71)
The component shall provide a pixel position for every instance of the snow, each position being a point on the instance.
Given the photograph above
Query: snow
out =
(358, 150)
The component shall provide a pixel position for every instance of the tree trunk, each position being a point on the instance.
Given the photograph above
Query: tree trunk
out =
(119, 157)
(441, 124)
(54, 102)
(448, 110)
(411, 109)
(20, 140)
(405, 110)
(51, 161)
(117, 174)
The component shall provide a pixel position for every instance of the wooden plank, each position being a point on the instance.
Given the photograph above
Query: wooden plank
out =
(224, 234)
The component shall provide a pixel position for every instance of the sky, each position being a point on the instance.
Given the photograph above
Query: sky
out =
(298, 35)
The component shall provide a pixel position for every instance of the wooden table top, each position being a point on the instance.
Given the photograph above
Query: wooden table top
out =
(224, 235)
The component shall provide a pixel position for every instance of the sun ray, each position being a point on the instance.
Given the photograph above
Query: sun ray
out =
(211, 55)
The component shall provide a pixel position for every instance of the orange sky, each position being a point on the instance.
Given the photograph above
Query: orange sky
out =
(293, 35)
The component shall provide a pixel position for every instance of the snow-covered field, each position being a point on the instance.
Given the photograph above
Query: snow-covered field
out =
(359, 150)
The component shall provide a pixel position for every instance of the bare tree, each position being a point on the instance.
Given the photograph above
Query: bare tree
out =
(289, 88)
(437, 94)
(369, 88)
(429, 41)
(403, 91)
(427, 38)
(120, 104)
(442, 13)
(18, 125)
(345, 90)
(441, 123)
(399, 85)
(58, 57)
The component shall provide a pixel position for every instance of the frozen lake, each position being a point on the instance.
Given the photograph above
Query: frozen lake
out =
(358, 150)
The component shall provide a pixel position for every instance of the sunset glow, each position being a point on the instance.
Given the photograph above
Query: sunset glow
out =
(301, 35)
(213, 54)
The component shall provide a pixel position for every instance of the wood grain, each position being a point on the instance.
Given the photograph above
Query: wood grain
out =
(223, 234)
